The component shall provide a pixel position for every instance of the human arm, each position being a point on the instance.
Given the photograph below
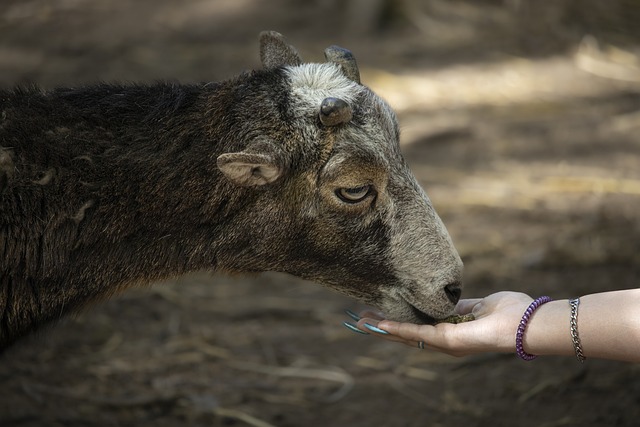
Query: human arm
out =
(608, 326)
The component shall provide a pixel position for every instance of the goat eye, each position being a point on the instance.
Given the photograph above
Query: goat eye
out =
(353, 195)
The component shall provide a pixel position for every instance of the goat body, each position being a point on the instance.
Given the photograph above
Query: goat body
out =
(110, 186)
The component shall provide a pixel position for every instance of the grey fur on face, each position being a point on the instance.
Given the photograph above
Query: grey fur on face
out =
(417, 271)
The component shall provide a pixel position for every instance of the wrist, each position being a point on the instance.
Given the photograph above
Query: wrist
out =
(548, 330)
(522, 326)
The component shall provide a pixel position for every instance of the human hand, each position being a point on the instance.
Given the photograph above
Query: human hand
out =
(497, 318)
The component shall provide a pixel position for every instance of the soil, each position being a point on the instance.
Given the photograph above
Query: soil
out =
(520, 120)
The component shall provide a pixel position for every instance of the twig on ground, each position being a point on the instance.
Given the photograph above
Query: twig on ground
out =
(611, 62)
(340, 377)
(241, 416)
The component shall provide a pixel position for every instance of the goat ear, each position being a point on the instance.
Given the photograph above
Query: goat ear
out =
(250, 169)
(276, 52)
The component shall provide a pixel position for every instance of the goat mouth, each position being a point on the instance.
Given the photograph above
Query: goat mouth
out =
(422, 316)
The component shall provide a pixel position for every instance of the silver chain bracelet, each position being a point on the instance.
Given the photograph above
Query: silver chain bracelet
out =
(575, 338)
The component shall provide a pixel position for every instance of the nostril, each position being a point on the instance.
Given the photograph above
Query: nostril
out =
(453, 291)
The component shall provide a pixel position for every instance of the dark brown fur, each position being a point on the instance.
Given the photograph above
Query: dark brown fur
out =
(109, 186)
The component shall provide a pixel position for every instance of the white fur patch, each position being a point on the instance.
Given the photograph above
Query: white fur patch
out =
(311, 83)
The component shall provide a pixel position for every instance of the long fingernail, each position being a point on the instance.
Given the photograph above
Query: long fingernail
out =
(354, 328)
(352, 315)
(375, 329)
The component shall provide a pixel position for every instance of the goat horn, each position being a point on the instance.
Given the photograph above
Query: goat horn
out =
(334, 111)
(344, 58)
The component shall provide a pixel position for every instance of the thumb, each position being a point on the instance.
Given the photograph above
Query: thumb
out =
(465, 306)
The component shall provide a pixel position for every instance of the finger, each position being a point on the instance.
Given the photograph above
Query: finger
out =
(408, 331)
(370, 326)
(465, 306)
(373, 331)
(372, 314)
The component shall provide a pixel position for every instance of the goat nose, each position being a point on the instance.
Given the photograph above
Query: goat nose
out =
(453, 291)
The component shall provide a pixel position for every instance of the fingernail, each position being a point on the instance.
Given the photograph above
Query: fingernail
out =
(375, 329)
(352, 315)
(354, 328)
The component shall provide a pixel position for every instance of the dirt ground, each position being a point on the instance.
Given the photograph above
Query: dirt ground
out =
(520, 120)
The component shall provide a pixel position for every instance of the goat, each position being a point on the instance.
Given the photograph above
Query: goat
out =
(293, 168)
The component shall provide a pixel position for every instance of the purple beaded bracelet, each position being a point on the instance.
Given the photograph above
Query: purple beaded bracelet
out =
(523, 325)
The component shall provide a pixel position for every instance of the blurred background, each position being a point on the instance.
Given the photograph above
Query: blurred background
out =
(520, 118)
